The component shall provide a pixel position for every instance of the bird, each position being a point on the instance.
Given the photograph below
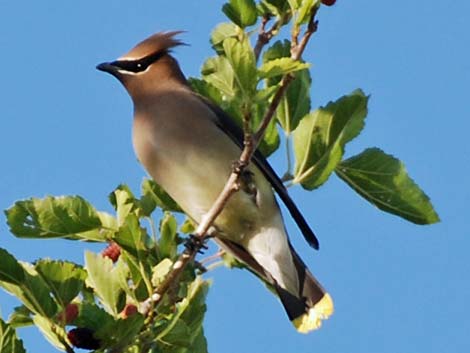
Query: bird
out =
(188, 145)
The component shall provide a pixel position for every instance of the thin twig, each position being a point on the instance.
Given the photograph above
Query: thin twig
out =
(213, 257)
(264, 36)
(232, 185)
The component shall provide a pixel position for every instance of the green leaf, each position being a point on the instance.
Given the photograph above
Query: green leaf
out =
(56, 335)
(271, 140)
(133, 238)
(219, 73)
(179, 335)
(241, 57)
(188, 226)
(321, 136)
(168, 236)
(194, 306)
(65, 279)
(151, 189)
(295, 104)
(160, 271)
(241, 12)
(92, 316)
(280, 49)
(280, 66)
(305, 10)
(53, 217)
(120, 332)
(11, 270)
(185, 327)
(23, 281)
(295, 4)
(107, 280)
(9, 341)
(221, 32)
(123, 201)
(20, 317)
(278, 8)
(199, 344)
(383, 181)
(207, 90)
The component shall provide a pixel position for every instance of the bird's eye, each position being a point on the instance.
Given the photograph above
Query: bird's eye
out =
(139, 65)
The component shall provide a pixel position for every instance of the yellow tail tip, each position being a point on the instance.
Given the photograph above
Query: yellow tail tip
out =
(312, 319)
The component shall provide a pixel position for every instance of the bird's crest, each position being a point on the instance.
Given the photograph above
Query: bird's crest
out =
(161, 41)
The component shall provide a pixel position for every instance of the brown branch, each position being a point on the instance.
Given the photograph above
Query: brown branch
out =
(264, 36)
(251, 143)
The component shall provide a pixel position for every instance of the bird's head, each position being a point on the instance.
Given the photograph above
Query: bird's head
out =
(148, 65)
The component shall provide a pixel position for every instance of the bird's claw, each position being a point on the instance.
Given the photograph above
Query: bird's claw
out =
(196, 244)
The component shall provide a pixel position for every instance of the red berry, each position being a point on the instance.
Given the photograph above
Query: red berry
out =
(328, 2)
(82, 337)
(129, 310)
(113, 251)
(69, 314)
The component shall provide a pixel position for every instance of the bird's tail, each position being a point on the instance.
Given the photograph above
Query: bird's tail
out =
(311, 305)
(307, 308)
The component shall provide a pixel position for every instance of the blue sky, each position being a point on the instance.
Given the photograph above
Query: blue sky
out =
(397, 287)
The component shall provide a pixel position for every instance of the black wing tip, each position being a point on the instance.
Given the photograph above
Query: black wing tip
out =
(312, 241)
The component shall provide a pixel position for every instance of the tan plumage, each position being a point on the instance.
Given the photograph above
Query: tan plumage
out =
(188, 145)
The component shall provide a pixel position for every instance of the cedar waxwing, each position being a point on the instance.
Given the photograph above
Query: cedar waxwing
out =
(188, 145)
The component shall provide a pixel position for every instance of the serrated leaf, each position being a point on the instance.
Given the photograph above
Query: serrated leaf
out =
(179, 335)
(199, 344)
(321, 136)
(271, 140)
(160, 271)
(241, 58)
(161, 198)
(294, 4)
(107, 280)
(133, 238)
(92, 316)
(383, 181)
(186, 324)
(194, 307)
(278, 8)
(206, 89)
(219, 73)
(9, 341)
(123, 201)
(241, 12)
(221, 32)
(53, 217)
(168, 229)
(120, 332)
(188, 226)
(305, 10)
(295, 104)
(11, 270)
(22, 281)
(56, 336)
(65, 279)
(280, 66)
(280, 49)
(20, 317)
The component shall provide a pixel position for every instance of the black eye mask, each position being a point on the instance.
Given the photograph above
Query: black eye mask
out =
(141, 64)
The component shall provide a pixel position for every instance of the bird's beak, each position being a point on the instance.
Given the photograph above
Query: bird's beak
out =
(108, 67)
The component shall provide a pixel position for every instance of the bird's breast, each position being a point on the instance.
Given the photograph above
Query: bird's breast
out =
(191, 158)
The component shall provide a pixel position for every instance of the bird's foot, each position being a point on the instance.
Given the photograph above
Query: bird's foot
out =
(196, 244)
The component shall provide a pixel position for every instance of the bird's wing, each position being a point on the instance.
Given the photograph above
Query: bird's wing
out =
(229, 127)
